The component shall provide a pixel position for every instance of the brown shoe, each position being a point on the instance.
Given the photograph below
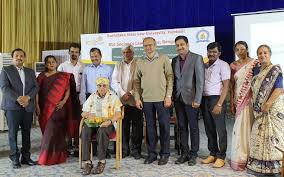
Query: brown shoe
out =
(209, 159)
(87, 168)
(219, 163)
(99, 168)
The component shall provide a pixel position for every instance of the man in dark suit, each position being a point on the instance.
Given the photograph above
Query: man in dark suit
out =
(188, 71)
(19, 88)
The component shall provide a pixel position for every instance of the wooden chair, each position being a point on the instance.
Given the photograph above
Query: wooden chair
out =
(281, 148)
(116, 136)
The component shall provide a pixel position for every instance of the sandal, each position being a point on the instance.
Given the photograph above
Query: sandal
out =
(87, 168)
(99, 168)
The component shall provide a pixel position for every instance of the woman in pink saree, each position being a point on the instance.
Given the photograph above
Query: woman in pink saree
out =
(241, 105)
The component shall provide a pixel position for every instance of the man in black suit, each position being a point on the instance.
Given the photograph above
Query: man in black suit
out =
(19, 88)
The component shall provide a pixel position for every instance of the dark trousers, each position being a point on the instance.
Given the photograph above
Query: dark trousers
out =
(102, 138)
(133, 117)
(187, 115)
(87, 95)
(215, 125)
(15, 119)
(150, 109)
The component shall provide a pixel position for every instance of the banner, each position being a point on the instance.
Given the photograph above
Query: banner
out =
(110, 44)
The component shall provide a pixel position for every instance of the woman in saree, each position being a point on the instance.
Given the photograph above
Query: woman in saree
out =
(268, 104)
(241, 107)
(57, 115)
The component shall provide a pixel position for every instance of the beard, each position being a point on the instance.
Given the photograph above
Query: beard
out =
(73, 57)
(18, 62)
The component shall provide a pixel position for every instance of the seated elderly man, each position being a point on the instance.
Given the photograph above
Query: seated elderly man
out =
(101, 110)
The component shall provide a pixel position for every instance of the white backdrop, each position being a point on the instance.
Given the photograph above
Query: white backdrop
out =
(265, 27)
(110, 43)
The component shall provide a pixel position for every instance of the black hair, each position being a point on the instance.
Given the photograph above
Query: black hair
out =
(96, 50)
(213, 45)
(18, 49)
(242, 43)
(183, 38)
(46, 59)
(75, 45)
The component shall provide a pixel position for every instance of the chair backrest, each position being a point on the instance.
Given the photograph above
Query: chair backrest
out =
(122, 112)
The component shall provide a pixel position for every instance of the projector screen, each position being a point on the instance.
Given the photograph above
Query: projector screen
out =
(258, 28)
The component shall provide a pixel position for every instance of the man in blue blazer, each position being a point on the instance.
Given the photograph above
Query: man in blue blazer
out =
(19, 88)
(189, 79)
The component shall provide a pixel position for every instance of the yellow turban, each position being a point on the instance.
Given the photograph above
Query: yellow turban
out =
(102, 80)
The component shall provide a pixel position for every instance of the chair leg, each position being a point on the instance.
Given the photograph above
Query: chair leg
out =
(91, 150)
(116, 155)
(145, 132)
(120, 143)
(114, 146)
(80, 153)
(175, 136)
(282, 171)
(118, 146)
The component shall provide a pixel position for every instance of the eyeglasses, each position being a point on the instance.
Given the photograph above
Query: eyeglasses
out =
(102, 85)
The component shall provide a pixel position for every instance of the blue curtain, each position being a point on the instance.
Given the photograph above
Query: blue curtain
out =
(136, 15)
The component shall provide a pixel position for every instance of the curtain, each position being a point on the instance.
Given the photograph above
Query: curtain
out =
(133, 15)
(36, 25)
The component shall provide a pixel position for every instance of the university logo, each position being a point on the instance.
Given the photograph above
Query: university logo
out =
(97, 41)
(202, 36)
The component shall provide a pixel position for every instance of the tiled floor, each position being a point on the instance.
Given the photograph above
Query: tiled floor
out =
(130, 167)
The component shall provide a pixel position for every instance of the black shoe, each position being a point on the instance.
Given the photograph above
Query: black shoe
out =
(29, 162)
(16, 164)
(76, 153)
(125, 155)
(150, 160)
(181, 160)
(192, 161)
(108, 156)
(163, 160)
(137, 156)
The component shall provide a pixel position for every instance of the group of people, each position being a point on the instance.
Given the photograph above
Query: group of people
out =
(62, 94)
(257, 102)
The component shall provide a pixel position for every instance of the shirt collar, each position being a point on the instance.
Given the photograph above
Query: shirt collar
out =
(128, 63)
(216, 62)
(107, 95)
(155, 56)
(19, 69)
(186, 56)
(77, 64)
(100, 65)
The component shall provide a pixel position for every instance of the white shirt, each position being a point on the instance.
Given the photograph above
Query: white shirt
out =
(22, 76)
(121, 87)
(103, 107)
(214, 75)
(76, 70)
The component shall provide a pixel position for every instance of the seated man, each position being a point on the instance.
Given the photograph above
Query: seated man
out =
(101, 110)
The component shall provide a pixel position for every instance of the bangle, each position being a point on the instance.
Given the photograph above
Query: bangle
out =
(220, 105)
